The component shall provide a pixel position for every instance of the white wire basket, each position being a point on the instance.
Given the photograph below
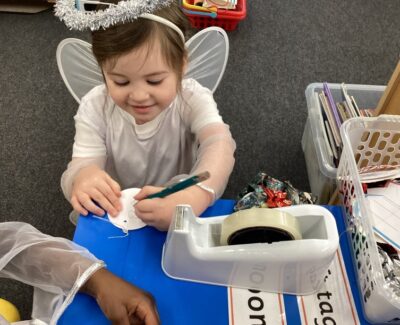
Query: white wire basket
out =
(368, 143)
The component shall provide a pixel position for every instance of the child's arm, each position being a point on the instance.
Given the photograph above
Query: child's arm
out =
(216, 145)
(59, 268)
(41, 260)
(85, 183)
(215, 156)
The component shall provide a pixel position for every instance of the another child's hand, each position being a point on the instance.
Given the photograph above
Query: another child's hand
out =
(158, 212)
(93, 185)
(121, 302)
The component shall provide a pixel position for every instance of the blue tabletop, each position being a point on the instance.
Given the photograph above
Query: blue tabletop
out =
(137, 258)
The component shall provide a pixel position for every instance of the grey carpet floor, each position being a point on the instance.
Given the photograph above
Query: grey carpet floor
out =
(279, 49)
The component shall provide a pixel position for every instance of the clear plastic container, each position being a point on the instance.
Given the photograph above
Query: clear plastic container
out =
(368, 142)
(195, 250)
(320, 167)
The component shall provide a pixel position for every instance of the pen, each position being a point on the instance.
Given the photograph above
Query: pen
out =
(178, 186)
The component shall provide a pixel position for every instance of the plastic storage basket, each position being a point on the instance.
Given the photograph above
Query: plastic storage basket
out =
(368, 142)
(321, 170)
(226, 19)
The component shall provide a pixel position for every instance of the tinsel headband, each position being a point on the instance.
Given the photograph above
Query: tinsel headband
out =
(124, 11)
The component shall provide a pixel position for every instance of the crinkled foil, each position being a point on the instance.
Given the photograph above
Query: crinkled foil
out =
(390, 261)
(267, 192)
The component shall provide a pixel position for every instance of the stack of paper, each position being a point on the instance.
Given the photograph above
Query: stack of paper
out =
(384, 205)
(334, 113)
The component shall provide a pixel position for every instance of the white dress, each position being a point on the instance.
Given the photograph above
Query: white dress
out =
(176, 143)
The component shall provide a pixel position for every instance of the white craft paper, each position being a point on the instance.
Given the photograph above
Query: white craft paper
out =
(127, 219)
(384, 204)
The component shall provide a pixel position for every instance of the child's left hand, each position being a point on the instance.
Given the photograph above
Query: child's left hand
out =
(121, 302)
(158, 212)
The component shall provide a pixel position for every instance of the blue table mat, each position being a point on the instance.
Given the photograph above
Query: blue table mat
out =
(137, 258)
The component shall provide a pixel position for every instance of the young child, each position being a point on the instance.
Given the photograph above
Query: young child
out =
(146, 127)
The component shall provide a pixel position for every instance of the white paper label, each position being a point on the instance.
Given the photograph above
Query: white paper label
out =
(253, 307)
(333, 304)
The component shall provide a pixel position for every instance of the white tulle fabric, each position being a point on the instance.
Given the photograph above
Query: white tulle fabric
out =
(216, 155)
(207, 58)
(55, 267)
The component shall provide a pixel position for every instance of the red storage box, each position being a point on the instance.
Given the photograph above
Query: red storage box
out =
(226, 19)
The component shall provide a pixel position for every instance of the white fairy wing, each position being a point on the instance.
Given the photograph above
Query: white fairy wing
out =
(207, 57)
(78, 67)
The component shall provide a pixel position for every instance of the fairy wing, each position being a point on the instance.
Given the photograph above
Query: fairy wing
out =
(207, 57)
(78, 67)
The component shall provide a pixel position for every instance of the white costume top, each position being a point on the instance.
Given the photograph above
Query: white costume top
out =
(31, 257)
(155, 152)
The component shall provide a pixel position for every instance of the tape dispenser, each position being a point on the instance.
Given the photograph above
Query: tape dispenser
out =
(282, 250)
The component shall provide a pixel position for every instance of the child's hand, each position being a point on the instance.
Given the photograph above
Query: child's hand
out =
(159, 212)
(121, 302)
(93, 185)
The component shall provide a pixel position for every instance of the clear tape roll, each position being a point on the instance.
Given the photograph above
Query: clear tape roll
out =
(258, 225)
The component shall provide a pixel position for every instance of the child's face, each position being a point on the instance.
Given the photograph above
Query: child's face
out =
(141, 83)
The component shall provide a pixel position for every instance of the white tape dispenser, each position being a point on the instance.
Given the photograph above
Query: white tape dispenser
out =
(283, 250)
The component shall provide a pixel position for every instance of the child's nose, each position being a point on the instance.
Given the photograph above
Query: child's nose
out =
(138, 94)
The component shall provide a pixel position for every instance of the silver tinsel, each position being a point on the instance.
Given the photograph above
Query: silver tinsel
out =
(125, 11)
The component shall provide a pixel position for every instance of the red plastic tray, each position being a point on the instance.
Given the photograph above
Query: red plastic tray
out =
(226, 19)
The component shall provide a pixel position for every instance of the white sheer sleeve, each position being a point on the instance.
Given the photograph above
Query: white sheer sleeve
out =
(215, 155)
(56, 267)
(76, 164)
(216, 145)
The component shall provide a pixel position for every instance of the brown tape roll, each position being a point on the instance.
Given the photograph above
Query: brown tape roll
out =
(259, 225)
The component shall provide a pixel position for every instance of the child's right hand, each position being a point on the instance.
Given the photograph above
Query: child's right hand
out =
(92, 188)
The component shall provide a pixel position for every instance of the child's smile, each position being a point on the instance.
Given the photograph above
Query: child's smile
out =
(137, 110)
(141, 83)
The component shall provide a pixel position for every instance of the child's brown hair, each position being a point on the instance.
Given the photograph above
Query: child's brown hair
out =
(110, 43)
